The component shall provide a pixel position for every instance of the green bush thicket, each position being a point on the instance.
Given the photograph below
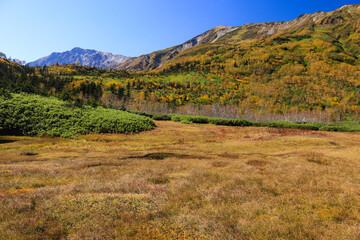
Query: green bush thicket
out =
(24, 114)
(187, 119)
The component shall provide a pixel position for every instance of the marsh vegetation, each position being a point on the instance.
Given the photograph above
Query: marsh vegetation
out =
(182, 181)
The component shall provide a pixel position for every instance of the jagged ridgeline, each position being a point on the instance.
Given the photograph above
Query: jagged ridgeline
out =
(84, 57)
(24, 114)
(336, 30)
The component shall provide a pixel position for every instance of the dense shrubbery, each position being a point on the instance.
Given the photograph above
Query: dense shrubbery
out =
(231, 122)
(161, 117)
(283, 124)
(334, 127)
(24, 114)
(216, 121)
(187, 119)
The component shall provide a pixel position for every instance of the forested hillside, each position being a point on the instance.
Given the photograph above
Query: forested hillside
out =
(31, 114)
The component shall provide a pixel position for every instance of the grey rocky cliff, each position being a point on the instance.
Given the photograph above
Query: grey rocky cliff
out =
(84, 57)
(158, 58)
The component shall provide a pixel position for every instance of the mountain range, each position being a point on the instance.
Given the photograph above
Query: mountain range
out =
(333, 26)
(339, 28)
(84, 57)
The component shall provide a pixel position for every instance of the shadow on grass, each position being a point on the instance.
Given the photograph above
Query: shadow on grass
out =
(3, 141)
(164, 155)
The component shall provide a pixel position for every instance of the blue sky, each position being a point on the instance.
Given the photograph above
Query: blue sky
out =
(34, 29)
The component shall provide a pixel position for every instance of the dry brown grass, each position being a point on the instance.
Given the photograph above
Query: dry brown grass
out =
(182, 181)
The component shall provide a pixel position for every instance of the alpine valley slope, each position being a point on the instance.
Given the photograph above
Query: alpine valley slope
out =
(84, 57)
(339, 28)
(158, 58)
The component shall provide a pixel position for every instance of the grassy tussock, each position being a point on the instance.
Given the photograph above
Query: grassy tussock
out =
(182, 181)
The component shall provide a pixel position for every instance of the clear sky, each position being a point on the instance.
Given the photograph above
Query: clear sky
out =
(31, 29)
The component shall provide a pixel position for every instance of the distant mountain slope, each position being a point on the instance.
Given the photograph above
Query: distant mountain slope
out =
(156, 59)
(332, 35)
(317, 25)
(85, 57)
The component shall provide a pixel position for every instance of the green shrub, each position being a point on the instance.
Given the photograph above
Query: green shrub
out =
(349, 126)
(283, 124)
(161, 117)
(212, 120)
(35, 115)
(190, 119)
(193, 119)
(141, 113)
(199, 119)
(185, 121)
(336, 129)
(176, 118)
(231, 122)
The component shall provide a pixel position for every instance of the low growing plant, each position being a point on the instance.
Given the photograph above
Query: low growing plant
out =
(25, 114)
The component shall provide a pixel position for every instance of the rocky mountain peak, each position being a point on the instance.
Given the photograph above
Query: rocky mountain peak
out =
(86, 57)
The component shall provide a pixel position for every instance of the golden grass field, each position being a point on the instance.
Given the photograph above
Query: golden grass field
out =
(182, 181)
